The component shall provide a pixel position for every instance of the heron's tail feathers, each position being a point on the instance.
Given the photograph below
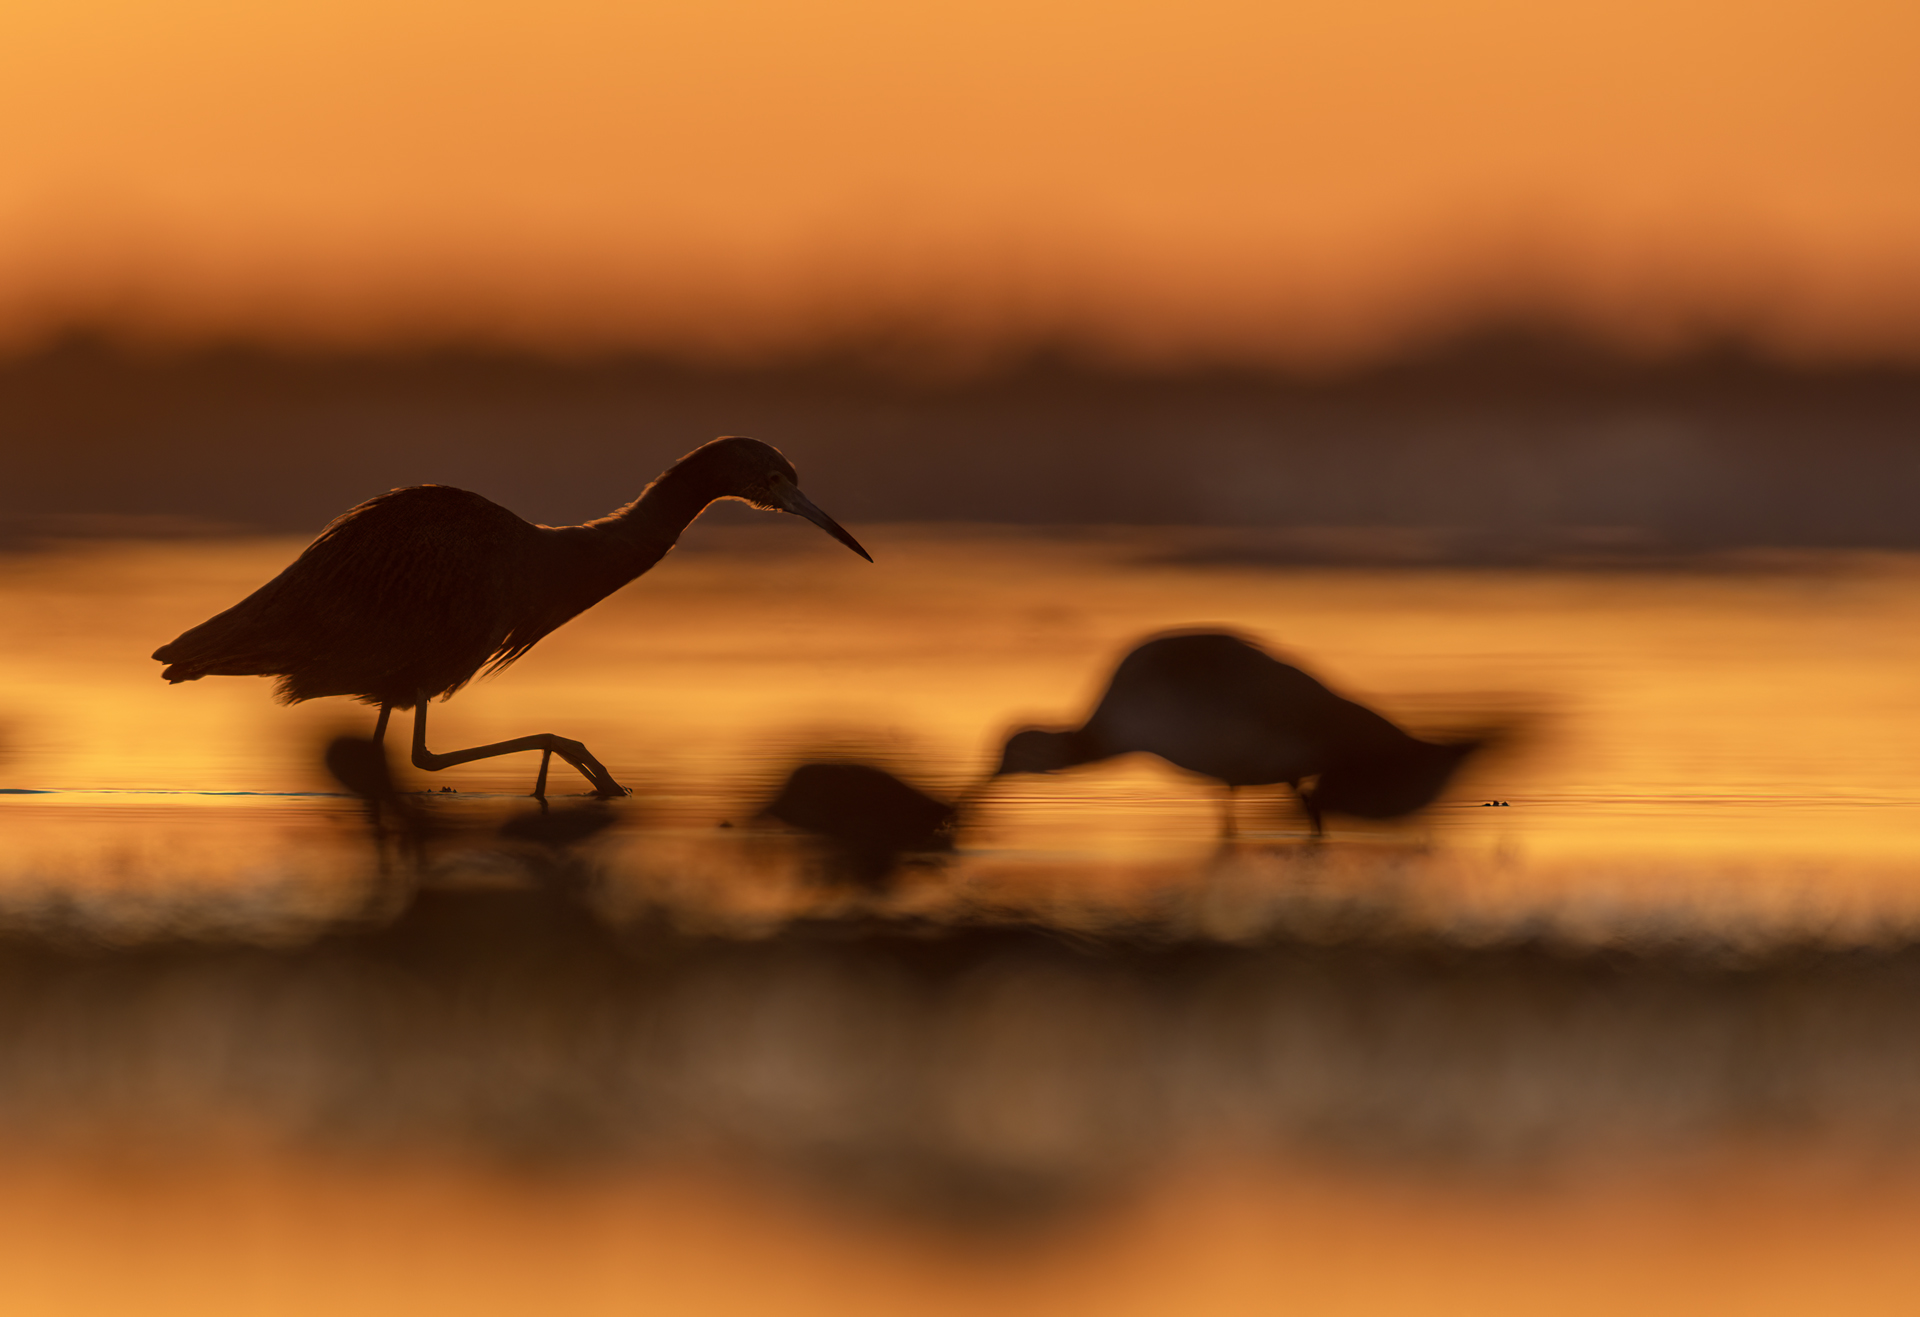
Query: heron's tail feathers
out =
(199, 654)
(178, 669)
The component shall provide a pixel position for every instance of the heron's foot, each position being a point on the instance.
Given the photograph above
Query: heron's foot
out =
(577, 754)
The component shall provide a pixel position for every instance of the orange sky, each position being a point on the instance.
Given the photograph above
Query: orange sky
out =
(1208, 174)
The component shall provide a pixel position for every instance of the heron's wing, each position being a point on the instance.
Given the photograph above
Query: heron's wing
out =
(565, 570)
(413, 589)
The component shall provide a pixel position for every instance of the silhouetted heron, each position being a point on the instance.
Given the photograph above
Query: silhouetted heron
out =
(1218, 705)
(409, 595)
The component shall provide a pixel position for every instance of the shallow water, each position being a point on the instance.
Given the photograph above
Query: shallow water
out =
(1734, 738)
(1667, 984)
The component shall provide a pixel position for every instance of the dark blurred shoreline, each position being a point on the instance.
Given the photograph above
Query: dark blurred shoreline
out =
(980, 1074)
(1498, 447)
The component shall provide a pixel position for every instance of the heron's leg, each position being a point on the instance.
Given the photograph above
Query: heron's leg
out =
(380, 727)
(571, 751)
(540, 783)
(1227, 832)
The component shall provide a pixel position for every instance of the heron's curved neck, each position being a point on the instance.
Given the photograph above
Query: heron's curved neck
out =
(652, 523)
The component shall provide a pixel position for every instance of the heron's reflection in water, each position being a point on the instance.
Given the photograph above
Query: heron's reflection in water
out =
(412, 841)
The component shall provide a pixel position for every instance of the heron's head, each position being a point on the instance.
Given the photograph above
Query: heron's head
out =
(1390, 787)
(1036, 750)
(756, 473)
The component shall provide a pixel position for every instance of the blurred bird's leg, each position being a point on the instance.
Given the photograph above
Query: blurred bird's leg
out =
(380, 727)
(397, 833)
(540, 783)
(572, 751)
(1313, 810)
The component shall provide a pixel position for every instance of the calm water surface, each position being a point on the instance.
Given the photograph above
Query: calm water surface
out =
(1718, 757)
(1736, 737)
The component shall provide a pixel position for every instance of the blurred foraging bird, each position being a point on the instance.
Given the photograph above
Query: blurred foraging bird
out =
(1218, 705)
(411, 594)
(869, 818)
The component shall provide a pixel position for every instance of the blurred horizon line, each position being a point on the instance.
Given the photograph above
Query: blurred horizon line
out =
(963, 306)
(1510, 444)
(925, 350)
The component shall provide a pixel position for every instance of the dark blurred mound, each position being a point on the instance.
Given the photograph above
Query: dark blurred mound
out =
(1498, 447)
(868, 820)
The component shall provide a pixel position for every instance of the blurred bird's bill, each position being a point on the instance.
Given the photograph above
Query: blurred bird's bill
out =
(792, 500)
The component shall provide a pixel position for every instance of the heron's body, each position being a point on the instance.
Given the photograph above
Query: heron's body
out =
(414, 591)
(409, 595)
(1219, 706)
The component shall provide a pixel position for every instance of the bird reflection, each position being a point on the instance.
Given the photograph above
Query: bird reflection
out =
(545, 845)
(397, 826)
(409, 595)
(869, 820)
(551, 843)
(1217, 705)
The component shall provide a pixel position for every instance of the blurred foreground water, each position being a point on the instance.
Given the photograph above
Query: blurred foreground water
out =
(1650, 1034)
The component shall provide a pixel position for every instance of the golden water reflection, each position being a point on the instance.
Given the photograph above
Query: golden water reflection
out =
(1637, 1040)
(1735, 735)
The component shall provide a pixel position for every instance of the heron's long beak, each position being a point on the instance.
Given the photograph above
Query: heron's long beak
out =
(792, 500)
